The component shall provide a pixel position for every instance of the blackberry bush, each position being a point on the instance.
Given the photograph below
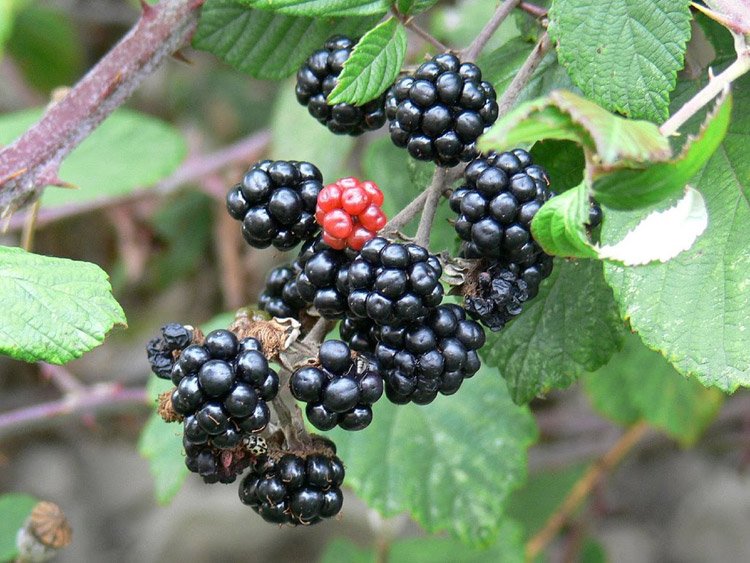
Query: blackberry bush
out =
(340, 391)
(393, 283)
(276, 203)
(318, 77)
(440, 111)
(425, 358)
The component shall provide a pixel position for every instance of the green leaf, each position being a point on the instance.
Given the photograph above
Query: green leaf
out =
(630, 189)
(451, 464)
(161, 445)
(572, 326)
(266, 44)
(559, 225)
(563, 161)
(127, 151)
(611, 141)
(321, 8)
(54, 309)
(373, 65)
(8, 11)
(623, 54)
(15, 508)
(639, 383)
(695, 308)
(412, 7)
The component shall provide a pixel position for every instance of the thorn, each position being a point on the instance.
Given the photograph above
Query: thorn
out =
(58, 183)
(13, 175)
(181, 57)
(196, 4)
(147, 9)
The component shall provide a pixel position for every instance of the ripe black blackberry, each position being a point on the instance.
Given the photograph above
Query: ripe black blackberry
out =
(161, 350)
(429, 357)
(360, 334)
(393, 283)
(340, 391)
(295, 487)
(596, 215)
(222, 466)
(322, 281)
(222, 390)
(498, 290)
(281, 298)
(440, 111)
(501, 195)
(276, 203)
(317, 78)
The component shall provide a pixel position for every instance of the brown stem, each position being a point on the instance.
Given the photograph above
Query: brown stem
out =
(61, 378)
(434, 192)
(582, 488)
(520, 80)
(439, 45)
(33, 160)
(502, 12)
(403, 217)
(532, 9)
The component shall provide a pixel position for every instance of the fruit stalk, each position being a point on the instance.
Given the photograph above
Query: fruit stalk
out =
(502, 12)
(520, 80)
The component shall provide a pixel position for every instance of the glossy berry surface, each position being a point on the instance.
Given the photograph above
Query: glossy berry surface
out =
(295, 488)
(222, 465)
(161, 351)
(434, 356)
(349, 212)
(280, 297)
(501, 194)
(392, 283)
(340, 390)
(275, 201)
(360, 334)
(317, 78)
(439, 112)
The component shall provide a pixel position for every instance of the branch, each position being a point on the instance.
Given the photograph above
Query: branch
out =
(436, 189)
(33, 160)
(532, 9)
(502, 12)
(95, 398)
(439, 45)
(582, 488)
(525, 73)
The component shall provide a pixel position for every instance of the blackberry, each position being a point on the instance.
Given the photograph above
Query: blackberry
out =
(439, 112)
(500, 289)
(276, 203)
(429, 357)
(215, 465)
(318, 77)
(340, 391)
(596, 215)
(280, 298)
(393, 283)
(161, 351)
(222, 390)
(295, 487)
(495, 206)
(322, 281)
(360, 334)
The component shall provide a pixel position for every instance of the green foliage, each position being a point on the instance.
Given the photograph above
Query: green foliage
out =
(129, 150)
(8, 11)
(373, 65)
(14, 508)
(559, 226)
(695, 308)
(623, 54)
(572, 326)
(55, 309)
(320, 8)
(563, 161)
(411, 7)
(267, 44)
(640, 384)
(451, 465)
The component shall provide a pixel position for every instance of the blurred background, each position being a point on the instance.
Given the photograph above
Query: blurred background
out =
(174, 254)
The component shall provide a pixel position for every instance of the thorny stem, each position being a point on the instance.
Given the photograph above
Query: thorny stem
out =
(532, 9)
(33, 160)
(525, 73)
(434, 192)
(583, 487)
(502, 12)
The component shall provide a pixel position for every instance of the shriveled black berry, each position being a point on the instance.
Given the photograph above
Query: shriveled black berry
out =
(439, 112)
(317, 78)
(275, 201)
(161, 351)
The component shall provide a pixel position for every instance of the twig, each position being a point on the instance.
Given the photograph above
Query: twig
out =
(502, 12)
(520, 80)
(317, 332)
(582, 488)
(33, 160)
(434, 192)
(532, 9)
(65, 381)
(714, 87)
(96, 398)
(403, 217)
(439, 45)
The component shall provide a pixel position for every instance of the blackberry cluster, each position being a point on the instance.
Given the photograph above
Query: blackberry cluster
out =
(429, 357)
(440, 111)
(161, 351)
(222, 390)
(360, 334)
(340, 391)
(295, 488)
(276, 203)
(322, 280)
(222, 466)
(501, 195)
(281, 298)
(319, 76)
(393, 283)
